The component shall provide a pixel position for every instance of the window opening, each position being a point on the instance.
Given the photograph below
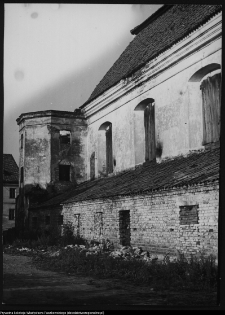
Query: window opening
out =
(64, 172)
(105, 151)
(144, 131)
(189, 215)
(98, 225)
(109, 157)
(12, 193)
(11, 214)
(211, 103)
(21, 175)
(21, 141)
(92, 166)
(64, 136)
(77, 224)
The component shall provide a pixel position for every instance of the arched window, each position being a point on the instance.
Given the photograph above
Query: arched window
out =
(105, 153)
(208, 80)
(144, 131)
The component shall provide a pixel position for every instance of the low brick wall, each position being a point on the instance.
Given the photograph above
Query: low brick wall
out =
(158, 221)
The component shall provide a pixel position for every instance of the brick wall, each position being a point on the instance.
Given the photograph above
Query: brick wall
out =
(155, 219)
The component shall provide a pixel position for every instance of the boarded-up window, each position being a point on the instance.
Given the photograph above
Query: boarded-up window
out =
(149, 123)
(98, 225)
(77, 224)
(64, 172)
(188, 215)
(92, 166)
(211, 101)
(109, 156)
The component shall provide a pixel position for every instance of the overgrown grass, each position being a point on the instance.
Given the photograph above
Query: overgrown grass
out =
(184, 274)
(198, 273)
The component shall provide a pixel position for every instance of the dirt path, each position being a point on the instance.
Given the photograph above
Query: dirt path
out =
(25, 284)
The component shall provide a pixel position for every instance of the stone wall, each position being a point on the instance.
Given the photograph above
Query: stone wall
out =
(155, 222)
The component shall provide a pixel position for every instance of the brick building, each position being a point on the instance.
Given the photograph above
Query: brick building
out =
(149, 164)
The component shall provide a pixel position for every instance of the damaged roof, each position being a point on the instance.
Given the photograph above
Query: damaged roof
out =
(181, 171)
(10, 170)
(164, 28)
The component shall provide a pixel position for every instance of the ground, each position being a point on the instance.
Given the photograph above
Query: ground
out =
(25, 284)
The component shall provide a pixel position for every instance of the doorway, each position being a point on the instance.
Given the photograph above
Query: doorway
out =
(124, 227)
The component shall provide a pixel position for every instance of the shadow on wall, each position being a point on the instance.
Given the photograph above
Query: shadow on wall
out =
(159, 149)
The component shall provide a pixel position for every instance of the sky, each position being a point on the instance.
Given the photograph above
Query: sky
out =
(56, 54)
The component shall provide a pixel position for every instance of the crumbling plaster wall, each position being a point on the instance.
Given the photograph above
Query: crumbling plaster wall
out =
(178, 110)
(37, 152)
(42, 154)
(154, 219)
(74, 153)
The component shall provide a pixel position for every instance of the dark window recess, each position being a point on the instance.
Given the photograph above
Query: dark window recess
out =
(109, 155)
(47, 220)
(64, 172)
(188, 215)
(60, 220)
(92, 166)
(21, 141)
(21, 175)
(149, 123)
(11, 214)
(64, 137)
(34, 222)
(211, 103)
(12, 193)
(124, 227)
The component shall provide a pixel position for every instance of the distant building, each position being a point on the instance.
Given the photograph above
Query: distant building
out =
(10, 190)
(143, 152)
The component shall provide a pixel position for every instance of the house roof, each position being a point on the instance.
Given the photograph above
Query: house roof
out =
(195, 168)
(164, 28)
(10, 170)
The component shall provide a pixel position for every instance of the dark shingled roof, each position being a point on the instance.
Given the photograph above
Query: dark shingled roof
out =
(171, 25)
(181, 171)
(10, 170)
